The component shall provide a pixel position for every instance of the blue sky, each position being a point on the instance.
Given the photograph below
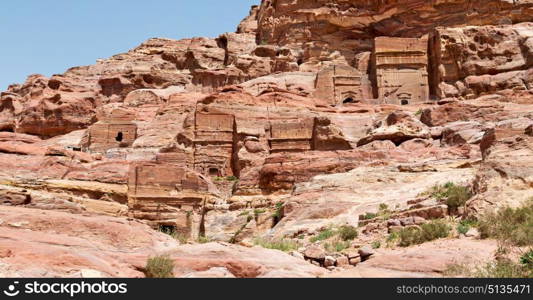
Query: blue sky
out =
(49, 36)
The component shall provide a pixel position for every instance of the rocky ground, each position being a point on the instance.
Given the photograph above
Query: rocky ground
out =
(329, 188)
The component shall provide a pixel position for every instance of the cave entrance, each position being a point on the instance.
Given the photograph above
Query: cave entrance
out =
(405, 102)
(119, 137)
(214, 172)
(168, 229)
(348, 100)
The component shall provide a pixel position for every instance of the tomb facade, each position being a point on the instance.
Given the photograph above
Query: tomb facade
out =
(292, 135)
(115, 130)
(167, 195)
(214, 144)
(342, 84)
(401, 70)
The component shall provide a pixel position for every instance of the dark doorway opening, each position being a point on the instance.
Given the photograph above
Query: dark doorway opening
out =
(405, 102)
(213, 172)
(168, 229)
(348, 100)
(120, 137)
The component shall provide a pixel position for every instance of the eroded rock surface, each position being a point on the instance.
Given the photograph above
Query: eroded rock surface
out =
(313, 115)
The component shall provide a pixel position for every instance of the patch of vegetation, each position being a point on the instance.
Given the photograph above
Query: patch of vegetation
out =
(337, 246)
(348, 233)
(258, 212)
(503, 269)
(384, 212)
(218, 178)
(470, 222)
(527, 259)
(458, 196)
(369, 216)
(466, 224)
(510, 226)
(376, 244)
(159, 267)
(323, 235)
(204, 240)
(455, 196)
(182, 238)
(392, 239)
(499, 269)
(234, 238)
(232, 178)
(282, 245)
(419, 112)
(278, 213)
(427, 232)
(244, 213)
(462, 228)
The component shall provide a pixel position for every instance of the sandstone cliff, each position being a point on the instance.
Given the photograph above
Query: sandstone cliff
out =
(312, 116)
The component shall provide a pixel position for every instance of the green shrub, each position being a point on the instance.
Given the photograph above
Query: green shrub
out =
(458, 196)
(454, 195)
(232, 178)
(235, 238)
(410, 236)
(470, 222)
(323, 235)
(509, 225)
(282, 245)
(527, 259)
(498, 269)
(393, 237)
(463, 229)
(427, 232)
(384, 212)
(337, 246)
(376, 244)
(435, 230)
(369, 216)
(348, 233)
(258, 212)
(503, 269)
(278, 212)
(244, 213)
(204, 240)
(159, 267)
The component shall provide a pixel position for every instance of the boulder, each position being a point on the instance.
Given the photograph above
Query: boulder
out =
(315, 252)
(397, 127)
(366, 252)
(329, 261)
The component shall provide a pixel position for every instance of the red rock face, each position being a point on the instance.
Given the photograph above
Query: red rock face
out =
(472, 61)
(313, 113)
(322, 27)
